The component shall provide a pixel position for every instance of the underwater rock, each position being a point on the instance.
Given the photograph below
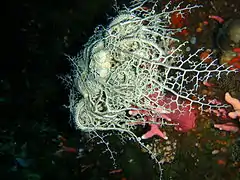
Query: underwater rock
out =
(228, 36)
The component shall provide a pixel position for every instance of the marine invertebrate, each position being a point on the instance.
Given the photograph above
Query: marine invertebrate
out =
(134, 73)
(230, 126)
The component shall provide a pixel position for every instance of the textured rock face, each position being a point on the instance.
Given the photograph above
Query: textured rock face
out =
(229, 35)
